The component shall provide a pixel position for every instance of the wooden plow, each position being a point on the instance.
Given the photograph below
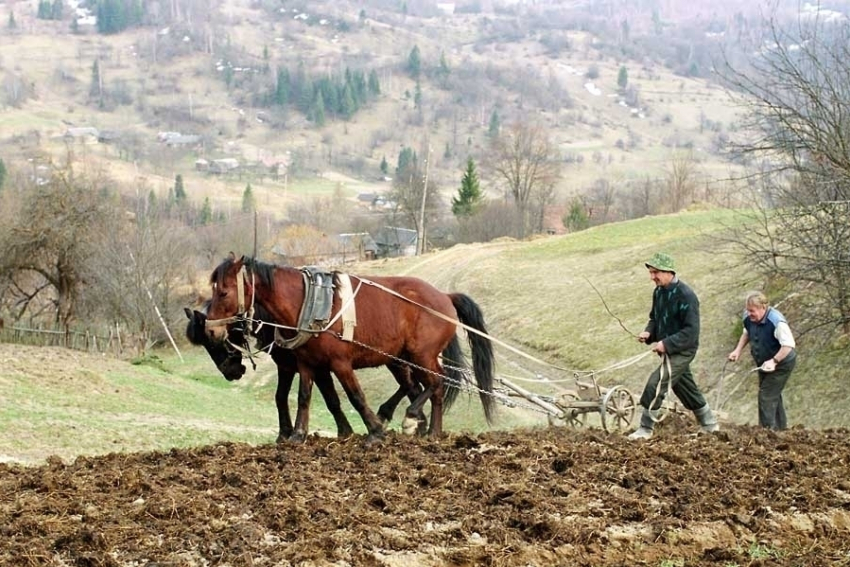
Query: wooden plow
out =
(616, 406)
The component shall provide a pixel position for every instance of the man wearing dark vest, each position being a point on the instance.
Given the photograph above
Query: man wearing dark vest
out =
(774, 350)
(673, 327)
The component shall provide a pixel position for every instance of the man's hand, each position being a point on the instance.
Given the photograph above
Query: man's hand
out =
(643, 336)
(768, 365)
(659, 348)
(734, 355)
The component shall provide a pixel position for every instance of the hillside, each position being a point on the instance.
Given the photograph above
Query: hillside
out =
(171, 78)
(543, 297)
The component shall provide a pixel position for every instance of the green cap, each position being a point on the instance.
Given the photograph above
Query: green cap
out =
(661, 262)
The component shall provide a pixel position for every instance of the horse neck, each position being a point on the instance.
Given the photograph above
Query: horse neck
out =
(283, 300)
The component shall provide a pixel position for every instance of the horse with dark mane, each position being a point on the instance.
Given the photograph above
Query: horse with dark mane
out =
(229, 363)
(400, 319)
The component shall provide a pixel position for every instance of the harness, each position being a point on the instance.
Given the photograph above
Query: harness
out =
(315, 313)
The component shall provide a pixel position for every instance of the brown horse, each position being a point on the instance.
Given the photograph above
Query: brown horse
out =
(229, 362)
(402, 319)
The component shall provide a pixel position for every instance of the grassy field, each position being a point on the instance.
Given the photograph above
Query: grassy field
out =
(543, 297)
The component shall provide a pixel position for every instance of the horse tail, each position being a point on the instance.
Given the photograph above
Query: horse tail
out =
(454, 365)
(483, 361)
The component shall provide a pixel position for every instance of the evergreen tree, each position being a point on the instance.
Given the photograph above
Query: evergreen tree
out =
(495, 125)
(623, 78)
(152, 203)
(374, 84)
(384, 165)
(406, 160)
(43, 11)
(414, 62)
(443, 71)
(2, 174)
(577, 218)
(56, 10)
(180, 196)
(346, 103)
(470, 197)
(206, 216)
(11, 24)
(317, 111)
(417, 96)
(96, 88)
(282, 89)
(249, 205)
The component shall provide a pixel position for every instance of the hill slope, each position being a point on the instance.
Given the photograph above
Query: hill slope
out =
(543, 297)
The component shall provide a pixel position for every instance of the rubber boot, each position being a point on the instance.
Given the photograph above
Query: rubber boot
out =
(707, 419)
(647, 423)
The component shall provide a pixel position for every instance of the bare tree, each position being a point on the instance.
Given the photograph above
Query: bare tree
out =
(49, 244)
(527, 161)
(796, 97)
(681, 180)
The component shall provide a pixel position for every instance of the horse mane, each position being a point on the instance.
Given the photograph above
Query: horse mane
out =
(262, 270)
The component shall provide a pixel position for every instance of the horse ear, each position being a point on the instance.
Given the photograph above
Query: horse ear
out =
(231, 256)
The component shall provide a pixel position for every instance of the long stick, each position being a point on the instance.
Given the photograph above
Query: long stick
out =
(158, 314)
(608, 310)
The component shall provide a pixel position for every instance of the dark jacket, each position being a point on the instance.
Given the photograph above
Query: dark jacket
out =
(762, 335)
(674, 318)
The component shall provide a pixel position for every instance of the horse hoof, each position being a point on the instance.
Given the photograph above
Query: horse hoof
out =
(372, 440)
(410, 425)
(344, 433)
(297, 438)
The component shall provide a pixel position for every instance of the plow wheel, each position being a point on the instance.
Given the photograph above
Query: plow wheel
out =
(571, 417)
(618, 409)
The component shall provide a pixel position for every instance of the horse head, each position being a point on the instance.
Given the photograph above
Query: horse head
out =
(232, 297)
(228, 362)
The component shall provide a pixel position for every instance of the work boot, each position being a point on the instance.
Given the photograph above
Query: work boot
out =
(641, 433)
(707, 420)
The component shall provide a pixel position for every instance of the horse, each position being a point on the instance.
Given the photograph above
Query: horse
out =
(398, 318)
(229, 363)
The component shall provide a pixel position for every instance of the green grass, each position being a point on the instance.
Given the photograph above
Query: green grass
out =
(537, 296)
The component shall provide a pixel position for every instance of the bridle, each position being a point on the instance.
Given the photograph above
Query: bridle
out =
(243, 316)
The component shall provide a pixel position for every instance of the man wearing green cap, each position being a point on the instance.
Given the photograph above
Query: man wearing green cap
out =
(673, 331)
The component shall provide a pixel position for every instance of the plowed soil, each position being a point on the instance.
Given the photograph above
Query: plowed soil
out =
(743, 496)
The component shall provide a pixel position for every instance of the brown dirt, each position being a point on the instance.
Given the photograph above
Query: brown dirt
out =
(744, 496)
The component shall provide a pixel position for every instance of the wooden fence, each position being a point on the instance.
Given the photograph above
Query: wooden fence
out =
(77, 340)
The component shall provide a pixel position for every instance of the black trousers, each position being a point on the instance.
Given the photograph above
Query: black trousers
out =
(771, 384)
(684, 386)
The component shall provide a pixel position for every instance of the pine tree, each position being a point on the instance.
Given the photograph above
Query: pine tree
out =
(470, 197)
(495, 125)
(417, 96)
(11, 24)
(414, 62)
(384, 165)
(249, 205)
(206, 213)
(577, 218)
(2, 174)
(317, 111)
(623, 78)
(374, 84)
(406, 160)
(95, 90)
(180, 196)
(282, 89)
(443, 71)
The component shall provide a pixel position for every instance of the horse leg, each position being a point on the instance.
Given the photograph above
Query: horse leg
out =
(374, 427)
(326, 387)
(281, 400)
(408, 388)
(305, 391)
(433, 390)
